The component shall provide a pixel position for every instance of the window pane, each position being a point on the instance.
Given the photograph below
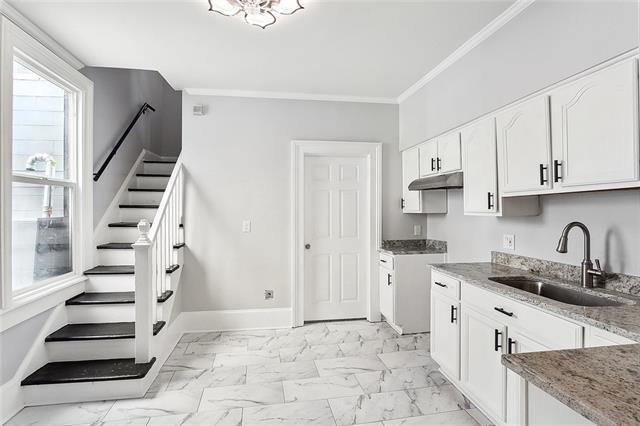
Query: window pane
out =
(41, 233)
(40, 125)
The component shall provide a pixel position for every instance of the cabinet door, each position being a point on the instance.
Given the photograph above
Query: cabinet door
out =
(449, 153)
(524, 147)
(480, 168)
(385, 283)
(482, 374)
(410, 172)
(595, 128)
(428, 158)
(518, 343)
(445, 333)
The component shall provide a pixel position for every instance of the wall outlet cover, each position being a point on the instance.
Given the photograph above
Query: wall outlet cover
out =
(246, 226)
(417, 230)
(509, 242)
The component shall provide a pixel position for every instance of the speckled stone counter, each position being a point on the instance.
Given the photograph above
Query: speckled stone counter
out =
(602, 384)
(399, 247)
(623, 320)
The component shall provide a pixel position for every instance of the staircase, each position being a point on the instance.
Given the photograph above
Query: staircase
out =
(116, 328)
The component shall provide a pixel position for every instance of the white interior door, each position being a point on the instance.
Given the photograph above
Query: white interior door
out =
(336, 227)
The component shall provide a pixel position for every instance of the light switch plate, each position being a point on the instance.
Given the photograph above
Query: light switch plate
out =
(246, 226)
(509, 242)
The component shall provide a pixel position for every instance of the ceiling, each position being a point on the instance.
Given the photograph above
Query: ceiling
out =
(340, 48)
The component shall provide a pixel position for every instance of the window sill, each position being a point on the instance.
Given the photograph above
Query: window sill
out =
(27, 306)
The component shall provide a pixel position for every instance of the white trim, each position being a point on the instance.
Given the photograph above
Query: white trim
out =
(299, 149)
(500, 21)
(37, 33)
(241, 319)
(289, 95)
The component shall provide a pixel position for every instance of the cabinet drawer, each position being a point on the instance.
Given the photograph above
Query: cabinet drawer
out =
(444, 284)
(386, 260)
(547, 329)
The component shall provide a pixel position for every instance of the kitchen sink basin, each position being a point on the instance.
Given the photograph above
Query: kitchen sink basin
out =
(555, 292)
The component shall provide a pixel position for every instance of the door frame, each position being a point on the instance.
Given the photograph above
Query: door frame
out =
(372, 153)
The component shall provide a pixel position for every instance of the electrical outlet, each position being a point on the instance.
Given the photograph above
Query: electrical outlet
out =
(509, 242)
(417, 230)
(246, 226)
(268, 294)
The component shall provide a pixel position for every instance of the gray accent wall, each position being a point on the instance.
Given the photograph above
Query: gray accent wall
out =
(118, 95)
(548, 42)
(237, 160)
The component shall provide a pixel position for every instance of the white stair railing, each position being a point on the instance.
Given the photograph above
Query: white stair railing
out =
(154, 253)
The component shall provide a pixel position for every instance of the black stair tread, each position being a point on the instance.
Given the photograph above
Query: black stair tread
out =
(139, 206)
(111, 298)
(124, 224)
(159, 161)
(146, 189)
(153, 175)
(110, 270)
(98, 331)
(115, 246)
(88, 371)
(179, 245)
(121, 270)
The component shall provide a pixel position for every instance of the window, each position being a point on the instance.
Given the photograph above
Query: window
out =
(46, 197)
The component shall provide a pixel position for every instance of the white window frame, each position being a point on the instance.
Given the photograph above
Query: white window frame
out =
(16, 43)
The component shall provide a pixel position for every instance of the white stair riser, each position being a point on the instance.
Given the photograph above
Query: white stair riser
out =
(142, 197)
(110, 283)
(120, 234)
(165, 168)
(116, 257)
(151, 181)
(90, 349)
(79, 314)
(135, 215)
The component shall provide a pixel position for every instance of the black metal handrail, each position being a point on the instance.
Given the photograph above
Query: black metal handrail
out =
(142, 111)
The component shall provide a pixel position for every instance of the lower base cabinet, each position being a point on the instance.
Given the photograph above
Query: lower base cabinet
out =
(445, 334)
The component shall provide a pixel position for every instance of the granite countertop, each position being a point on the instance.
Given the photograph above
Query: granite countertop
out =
(602, 384)
(623, 320)
(400, 247)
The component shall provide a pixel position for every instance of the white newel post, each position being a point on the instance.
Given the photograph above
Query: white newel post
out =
(145, 295)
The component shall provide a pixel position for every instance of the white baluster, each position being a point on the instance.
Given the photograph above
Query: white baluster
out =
(145, 300)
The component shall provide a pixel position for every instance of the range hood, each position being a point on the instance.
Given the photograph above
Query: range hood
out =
(448, 181)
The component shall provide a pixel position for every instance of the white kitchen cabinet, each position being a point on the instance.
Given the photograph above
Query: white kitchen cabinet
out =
(428, 158)
(445, 333)
(405, 296)
(419, 201)
(524, 147)
(480, 168)
(594, 336)
(449, 153)
(595, 128)
(482, 375)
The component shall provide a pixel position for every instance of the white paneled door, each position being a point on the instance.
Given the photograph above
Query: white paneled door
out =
(336, 237)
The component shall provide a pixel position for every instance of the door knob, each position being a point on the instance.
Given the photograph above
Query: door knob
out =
(307, 246)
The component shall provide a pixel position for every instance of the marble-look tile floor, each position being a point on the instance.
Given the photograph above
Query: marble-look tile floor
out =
(333, 373)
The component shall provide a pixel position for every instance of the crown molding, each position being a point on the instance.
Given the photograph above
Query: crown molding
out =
(289, 96)
(500, 21)
(12, 14)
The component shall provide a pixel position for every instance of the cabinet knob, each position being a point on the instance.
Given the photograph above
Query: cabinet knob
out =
(307, 246)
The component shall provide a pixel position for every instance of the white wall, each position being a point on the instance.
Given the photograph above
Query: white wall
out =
(545, 44)
(237, 162)
(118, 95)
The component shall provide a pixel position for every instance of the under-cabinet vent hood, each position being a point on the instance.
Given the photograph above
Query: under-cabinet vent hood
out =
(448, 181)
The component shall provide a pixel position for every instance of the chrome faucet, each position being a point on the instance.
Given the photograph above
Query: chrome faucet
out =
(587, 267)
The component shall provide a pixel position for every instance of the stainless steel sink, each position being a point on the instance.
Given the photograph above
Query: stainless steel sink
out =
(555, 292)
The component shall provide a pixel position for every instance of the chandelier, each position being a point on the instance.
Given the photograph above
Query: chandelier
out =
(256, 12)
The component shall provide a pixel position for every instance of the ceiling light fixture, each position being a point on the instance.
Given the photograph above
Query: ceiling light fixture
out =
(256, 12)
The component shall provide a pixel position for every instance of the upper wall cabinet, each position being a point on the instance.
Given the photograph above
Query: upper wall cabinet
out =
(413, 119)
(441, 155)
(524, 147)
(595, 128)
(419, 201)
(480, 168)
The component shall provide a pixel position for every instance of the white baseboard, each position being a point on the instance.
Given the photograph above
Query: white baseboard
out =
(241, 319)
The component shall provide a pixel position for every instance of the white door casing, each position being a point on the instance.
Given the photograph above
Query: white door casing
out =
(368, 157)
(335, 237)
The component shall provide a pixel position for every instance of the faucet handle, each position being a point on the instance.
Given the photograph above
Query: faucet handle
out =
(598, 267)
